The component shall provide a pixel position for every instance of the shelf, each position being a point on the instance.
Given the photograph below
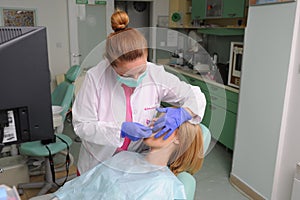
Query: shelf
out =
(222, 31)
(184, 27)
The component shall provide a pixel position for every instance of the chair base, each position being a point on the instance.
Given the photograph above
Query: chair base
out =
(46, 185)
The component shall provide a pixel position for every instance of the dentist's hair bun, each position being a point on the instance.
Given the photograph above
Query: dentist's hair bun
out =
(119, 20)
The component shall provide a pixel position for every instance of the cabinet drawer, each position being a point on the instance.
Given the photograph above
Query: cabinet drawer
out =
(196, 82)
(221, 124)
(214, 119)
(212, 89)
(232, 96)
(218, 101)
(227, 136)
(232, 106)
(207, 88)
(217, 91)
(216, 95)
(223, 103)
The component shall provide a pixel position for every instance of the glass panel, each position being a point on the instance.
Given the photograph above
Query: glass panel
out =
(214, 8)
(91, 29)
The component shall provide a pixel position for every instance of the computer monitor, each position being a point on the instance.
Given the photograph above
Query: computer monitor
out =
(25, 95)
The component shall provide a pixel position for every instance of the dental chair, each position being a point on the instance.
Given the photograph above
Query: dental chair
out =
(63, 96)
(186, 178)
(36, 148)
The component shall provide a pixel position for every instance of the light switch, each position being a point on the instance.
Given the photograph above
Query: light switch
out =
(58, 44)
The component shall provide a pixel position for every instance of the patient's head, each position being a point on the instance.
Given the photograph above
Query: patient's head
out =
(186, 145)
(189, 154)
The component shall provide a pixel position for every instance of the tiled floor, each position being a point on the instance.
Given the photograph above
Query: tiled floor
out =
(212, 180)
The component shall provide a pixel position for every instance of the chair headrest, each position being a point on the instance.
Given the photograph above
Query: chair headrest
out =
(206, 137)
(73, 73)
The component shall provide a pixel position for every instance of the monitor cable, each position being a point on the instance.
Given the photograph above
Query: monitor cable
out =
(1, 138)
(67, 163)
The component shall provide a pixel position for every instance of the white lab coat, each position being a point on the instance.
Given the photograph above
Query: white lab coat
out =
(99, 108)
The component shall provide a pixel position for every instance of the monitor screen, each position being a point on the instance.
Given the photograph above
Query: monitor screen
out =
(25, 95)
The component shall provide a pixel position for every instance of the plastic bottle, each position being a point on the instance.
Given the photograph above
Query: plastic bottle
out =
(215, 58)
(13, 150)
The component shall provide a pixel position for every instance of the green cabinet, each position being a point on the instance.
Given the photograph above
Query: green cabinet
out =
(233, 8)
(221, 111)
(221, 122)
(198, 9)
(210, 9)
(221, 108)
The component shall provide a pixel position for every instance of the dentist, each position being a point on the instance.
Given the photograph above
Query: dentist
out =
(124, 87)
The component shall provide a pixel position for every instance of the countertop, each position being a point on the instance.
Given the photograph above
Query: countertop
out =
(192, 73)
(178, 69)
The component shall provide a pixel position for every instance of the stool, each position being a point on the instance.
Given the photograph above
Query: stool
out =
(37, 149)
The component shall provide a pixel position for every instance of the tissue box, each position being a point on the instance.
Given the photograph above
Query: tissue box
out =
(13, 170)
(3, 194)
(8, 193)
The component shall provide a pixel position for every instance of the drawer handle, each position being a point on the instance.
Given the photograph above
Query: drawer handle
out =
(213, 98)
(214, 88)
(212, 107)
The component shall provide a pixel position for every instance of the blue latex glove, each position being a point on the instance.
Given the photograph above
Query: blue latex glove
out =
(135, 131)
(169, 122)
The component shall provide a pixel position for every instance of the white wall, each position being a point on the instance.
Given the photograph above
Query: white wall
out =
(289, 141)
(160, 8)
(266, 62)
(53, 15)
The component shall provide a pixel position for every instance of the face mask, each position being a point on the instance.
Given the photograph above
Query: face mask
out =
(131, 82)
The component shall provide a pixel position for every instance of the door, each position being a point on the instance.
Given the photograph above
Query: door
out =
(137, 10)
(87, 28)
(139, 15)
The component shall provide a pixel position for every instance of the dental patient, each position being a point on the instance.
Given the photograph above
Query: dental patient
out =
(129, 175)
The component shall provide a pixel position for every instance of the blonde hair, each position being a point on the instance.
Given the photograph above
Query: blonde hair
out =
(119, 20)
(125, 44)
(189, 155)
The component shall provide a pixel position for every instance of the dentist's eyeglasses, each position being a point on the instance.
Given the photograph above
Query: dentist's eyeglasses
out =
(135, 72)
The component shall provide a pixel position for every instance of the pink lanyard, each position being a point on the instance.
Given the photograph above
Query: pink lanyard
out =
(128, 91)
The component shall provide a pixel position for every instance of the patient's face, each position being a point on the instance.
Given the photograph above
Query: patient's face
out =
(159, 142)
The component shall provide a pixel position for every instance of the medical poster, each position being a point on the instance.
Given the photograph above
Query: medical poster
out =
(18, 17)
(172, 38)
